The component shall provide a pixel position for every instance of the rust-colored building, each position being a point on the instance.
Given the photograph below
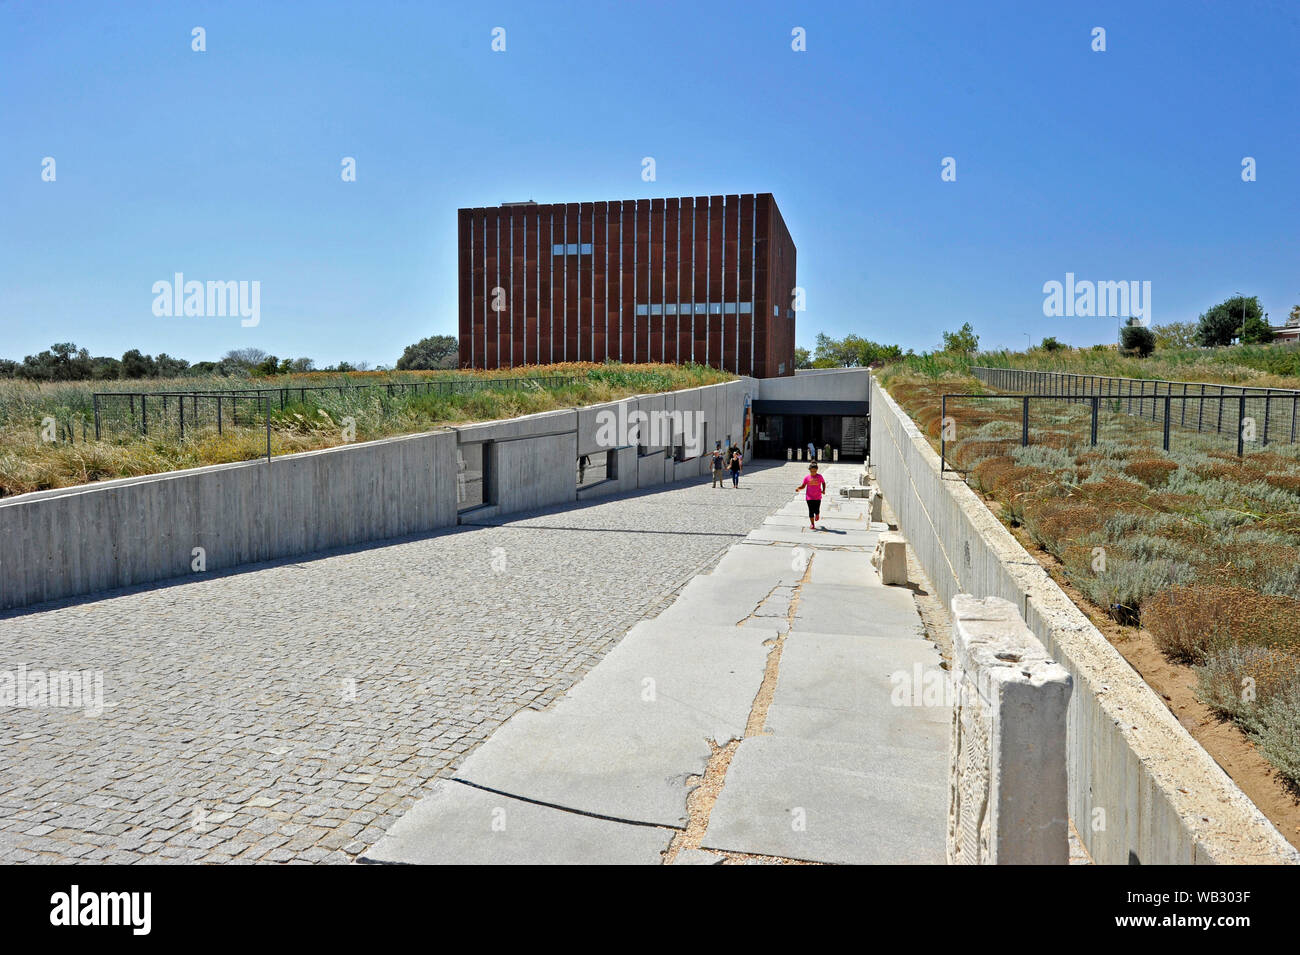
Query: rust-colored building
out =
(708, 279)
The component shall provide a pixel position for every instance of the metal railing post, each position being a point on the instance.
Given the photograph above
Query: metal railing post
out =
(1168, 399)
(1096, 402)
(1024, 423)
(1241, 417)
(95, 399)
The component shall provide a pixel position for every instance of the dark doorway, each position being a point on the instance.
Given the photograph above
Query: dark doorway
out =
(779, 434)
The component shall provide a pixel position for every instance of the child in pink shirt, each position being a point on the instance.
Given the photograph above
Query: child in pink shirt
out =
(816, 487)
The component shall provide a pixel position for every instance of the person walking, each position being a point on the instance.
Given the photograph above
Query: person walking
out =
(812, 451)
(814, 487)
(717, 461)
(736, 464)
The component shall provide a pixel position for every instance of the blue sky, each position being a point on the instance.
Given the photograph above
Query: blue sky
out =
(225, 164)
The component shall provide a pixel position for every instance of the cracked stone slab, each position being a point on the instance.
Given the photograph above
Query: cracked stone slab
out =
(832, 802)
(842, 688)
(866, 611)
(849, 568)
(778, 566)
(718, 601)
(455, 824)
(623, 741)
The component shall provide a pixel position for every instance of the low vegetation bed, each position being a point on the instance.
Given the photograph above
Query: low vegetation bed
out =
(1200, 548)
(32, 414)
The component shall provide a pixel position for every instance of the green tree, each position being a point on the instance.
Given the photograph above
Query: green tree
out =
(61, 362)
(103, 368)
(802, 358)
(1137, 340)
(963, 340)
(1237, 318)
(436, 351)
(165, 366)
(270, 365)
(137, 365)
(1175, 334)
(852, 351)
(1051, 344)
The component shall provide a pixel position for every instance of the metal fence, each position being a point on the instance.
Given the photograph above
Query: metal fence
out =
(169, 414)
(217, 407)
(1170, 409)
(1254, 415)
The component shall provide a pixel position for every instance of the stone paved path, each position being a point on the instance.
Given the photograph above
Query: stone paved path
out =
(770, 682)
(293, 711)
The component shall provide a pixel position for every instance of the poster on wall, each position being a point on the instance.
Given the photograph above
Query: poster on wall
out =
(747, 434)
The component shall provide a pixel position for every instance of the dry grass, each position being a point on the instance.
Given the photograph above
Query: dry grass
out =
(30, 463)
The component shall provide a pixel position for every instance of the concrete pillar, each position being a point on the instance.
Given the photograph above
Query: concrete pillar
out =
(789, 454)
(890, 559)
(876, 510)
(836, 453)
(1007, 781)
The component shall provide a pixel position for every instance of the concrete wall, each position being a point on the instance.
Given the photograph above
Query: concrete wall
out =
(82, 540)
(1162, 799)
(818, 384)
(71, 541)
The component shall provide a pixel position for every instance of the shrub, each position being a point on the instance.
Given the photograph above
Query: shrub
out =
(1236, 679)
(1151, 471)
(974, 450)
(1127, 587)
(1188, 622)
(1276, 730)
(1044, 456)
(1054, 523)
(1283, 581)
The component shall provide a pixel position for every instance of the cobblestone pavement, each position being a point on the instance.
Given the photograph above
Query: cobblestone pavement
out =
(292, 711)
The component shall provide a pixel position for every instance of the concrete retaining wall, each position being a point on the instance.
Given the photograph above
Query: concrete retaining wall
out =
(70, 541)
(82, 540)
(818, 384)
(1141, 790)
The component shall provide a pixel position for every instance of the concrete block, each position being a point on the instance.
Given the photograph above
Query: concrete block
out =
(876, 513)
(890, 559)
(1008, 782)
